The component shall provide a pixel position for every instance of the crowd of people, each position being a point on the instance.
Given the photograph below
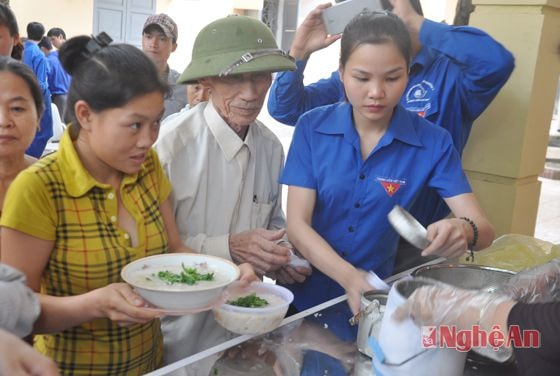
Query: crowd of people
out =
(154, 161)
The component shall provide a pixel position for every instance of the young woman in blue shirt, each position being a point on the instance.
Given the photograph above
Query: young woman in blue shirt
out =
(351, 162)
(455, 73)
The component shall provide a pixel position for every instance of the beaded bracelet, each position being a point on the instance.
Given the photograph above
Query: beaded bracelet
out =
(474, 240)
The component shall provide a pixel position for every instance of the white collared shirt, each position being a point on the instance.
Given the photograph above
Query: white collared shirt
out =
(221, 183)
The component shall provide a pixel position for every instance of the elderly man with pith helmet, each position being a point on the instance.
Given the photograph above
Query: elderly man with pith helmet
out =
(224, 166)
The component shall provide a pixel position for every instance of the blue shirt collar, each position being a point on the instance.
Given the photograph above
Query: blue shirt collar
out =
(424, 58)
(402, 127)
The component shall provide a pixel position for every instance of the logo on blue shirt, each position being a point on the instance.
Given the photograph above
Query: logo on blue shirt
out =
(418, 97)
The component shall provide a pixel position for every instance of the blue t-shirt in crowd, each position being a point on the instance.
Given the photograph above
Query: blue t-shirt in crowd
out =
(59, 79)
(453, 79)
(354, 196)
(34, 58)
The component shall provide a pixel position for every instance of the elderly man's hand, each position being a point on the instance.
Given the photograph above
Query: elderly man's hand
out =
(259, 248)
(289, 274)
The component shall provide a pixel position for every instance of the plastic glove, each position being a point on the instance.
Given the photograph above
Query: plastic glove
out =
(540, 284)
(441, 304)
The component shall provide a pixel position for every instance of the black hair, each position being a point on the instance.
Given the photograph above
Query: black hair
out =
(8, 19)
(375, 28)
(35, 31)
(7, 64)
(45, 43)
(106, 77)
(415, 4)
(17, 51)
(56, 32)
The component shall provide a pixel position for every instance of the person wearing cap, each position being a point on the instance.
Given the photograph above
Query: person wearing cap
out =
(159, 40)
(220, 144)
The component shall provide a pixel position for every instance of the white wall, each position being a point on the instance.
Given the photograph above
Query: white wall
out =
(75, 17)
(439, 10)
(191, 16)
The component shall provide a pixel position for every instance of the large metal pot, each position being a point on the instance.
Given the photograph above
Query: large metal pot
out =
(374, 302)
(470, 277)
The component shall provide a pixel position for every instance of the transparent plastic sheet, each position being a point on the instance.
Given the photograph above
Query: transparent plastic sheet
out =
(438, 304)
(515, 252)
(540, 284)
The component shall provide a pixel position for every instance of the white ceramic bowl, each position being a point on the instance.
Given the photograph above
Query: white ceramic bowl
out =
(179, 296)
(244, 320)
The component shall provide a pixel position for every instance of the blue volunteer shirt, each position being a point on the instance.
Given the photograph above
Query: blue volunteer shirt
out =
(453, 79)
(59, 80)
(354, 196)
(34, 58)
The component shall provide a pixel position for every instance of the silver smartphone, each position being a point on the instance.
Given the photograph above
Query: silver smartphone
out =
(337, 17)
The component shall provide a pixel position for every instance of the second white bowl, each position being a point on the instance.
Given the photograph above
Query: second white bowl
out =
(244, 320)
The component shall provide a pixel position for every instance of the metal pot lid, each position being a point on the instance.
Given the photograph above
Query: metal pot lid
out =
(408, 227)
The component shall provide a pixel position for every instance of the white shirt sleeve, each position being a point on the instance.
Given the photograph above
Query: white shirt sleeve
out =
(20, 306)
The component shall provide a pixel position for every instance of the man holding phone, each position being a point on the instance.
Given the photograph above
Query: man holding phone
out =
(454, 75)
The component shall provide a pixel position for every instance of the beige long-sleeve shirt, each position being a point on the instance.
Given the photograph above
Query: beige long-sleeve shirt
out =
(221, 183)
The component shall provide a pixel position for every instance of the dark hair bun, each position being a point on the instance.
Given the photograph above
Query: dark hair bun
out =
(73, 53)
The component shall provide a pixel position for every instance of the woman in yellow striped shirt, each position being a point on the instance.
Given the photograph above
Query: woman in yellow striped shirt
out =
(75, 218)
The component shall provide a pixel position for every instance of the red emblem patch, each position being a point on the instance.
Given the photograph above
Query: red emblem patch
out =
(390, 187)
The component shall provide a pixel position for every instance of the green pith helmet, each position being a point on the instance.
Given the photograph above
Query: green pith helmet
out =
(232, 45)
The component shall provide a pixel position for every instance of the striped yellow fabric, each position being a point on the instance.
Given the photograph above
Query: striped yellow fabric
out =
(57, 199)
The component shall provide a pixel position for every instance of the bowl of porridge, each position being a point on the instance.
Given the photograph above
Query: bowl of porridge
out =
(179, 283)
(253, 309)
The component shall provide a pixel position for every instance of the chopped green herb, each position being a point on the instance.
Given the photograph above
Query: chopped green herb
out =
(215, 371)
(189, 276)
(249, 301)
